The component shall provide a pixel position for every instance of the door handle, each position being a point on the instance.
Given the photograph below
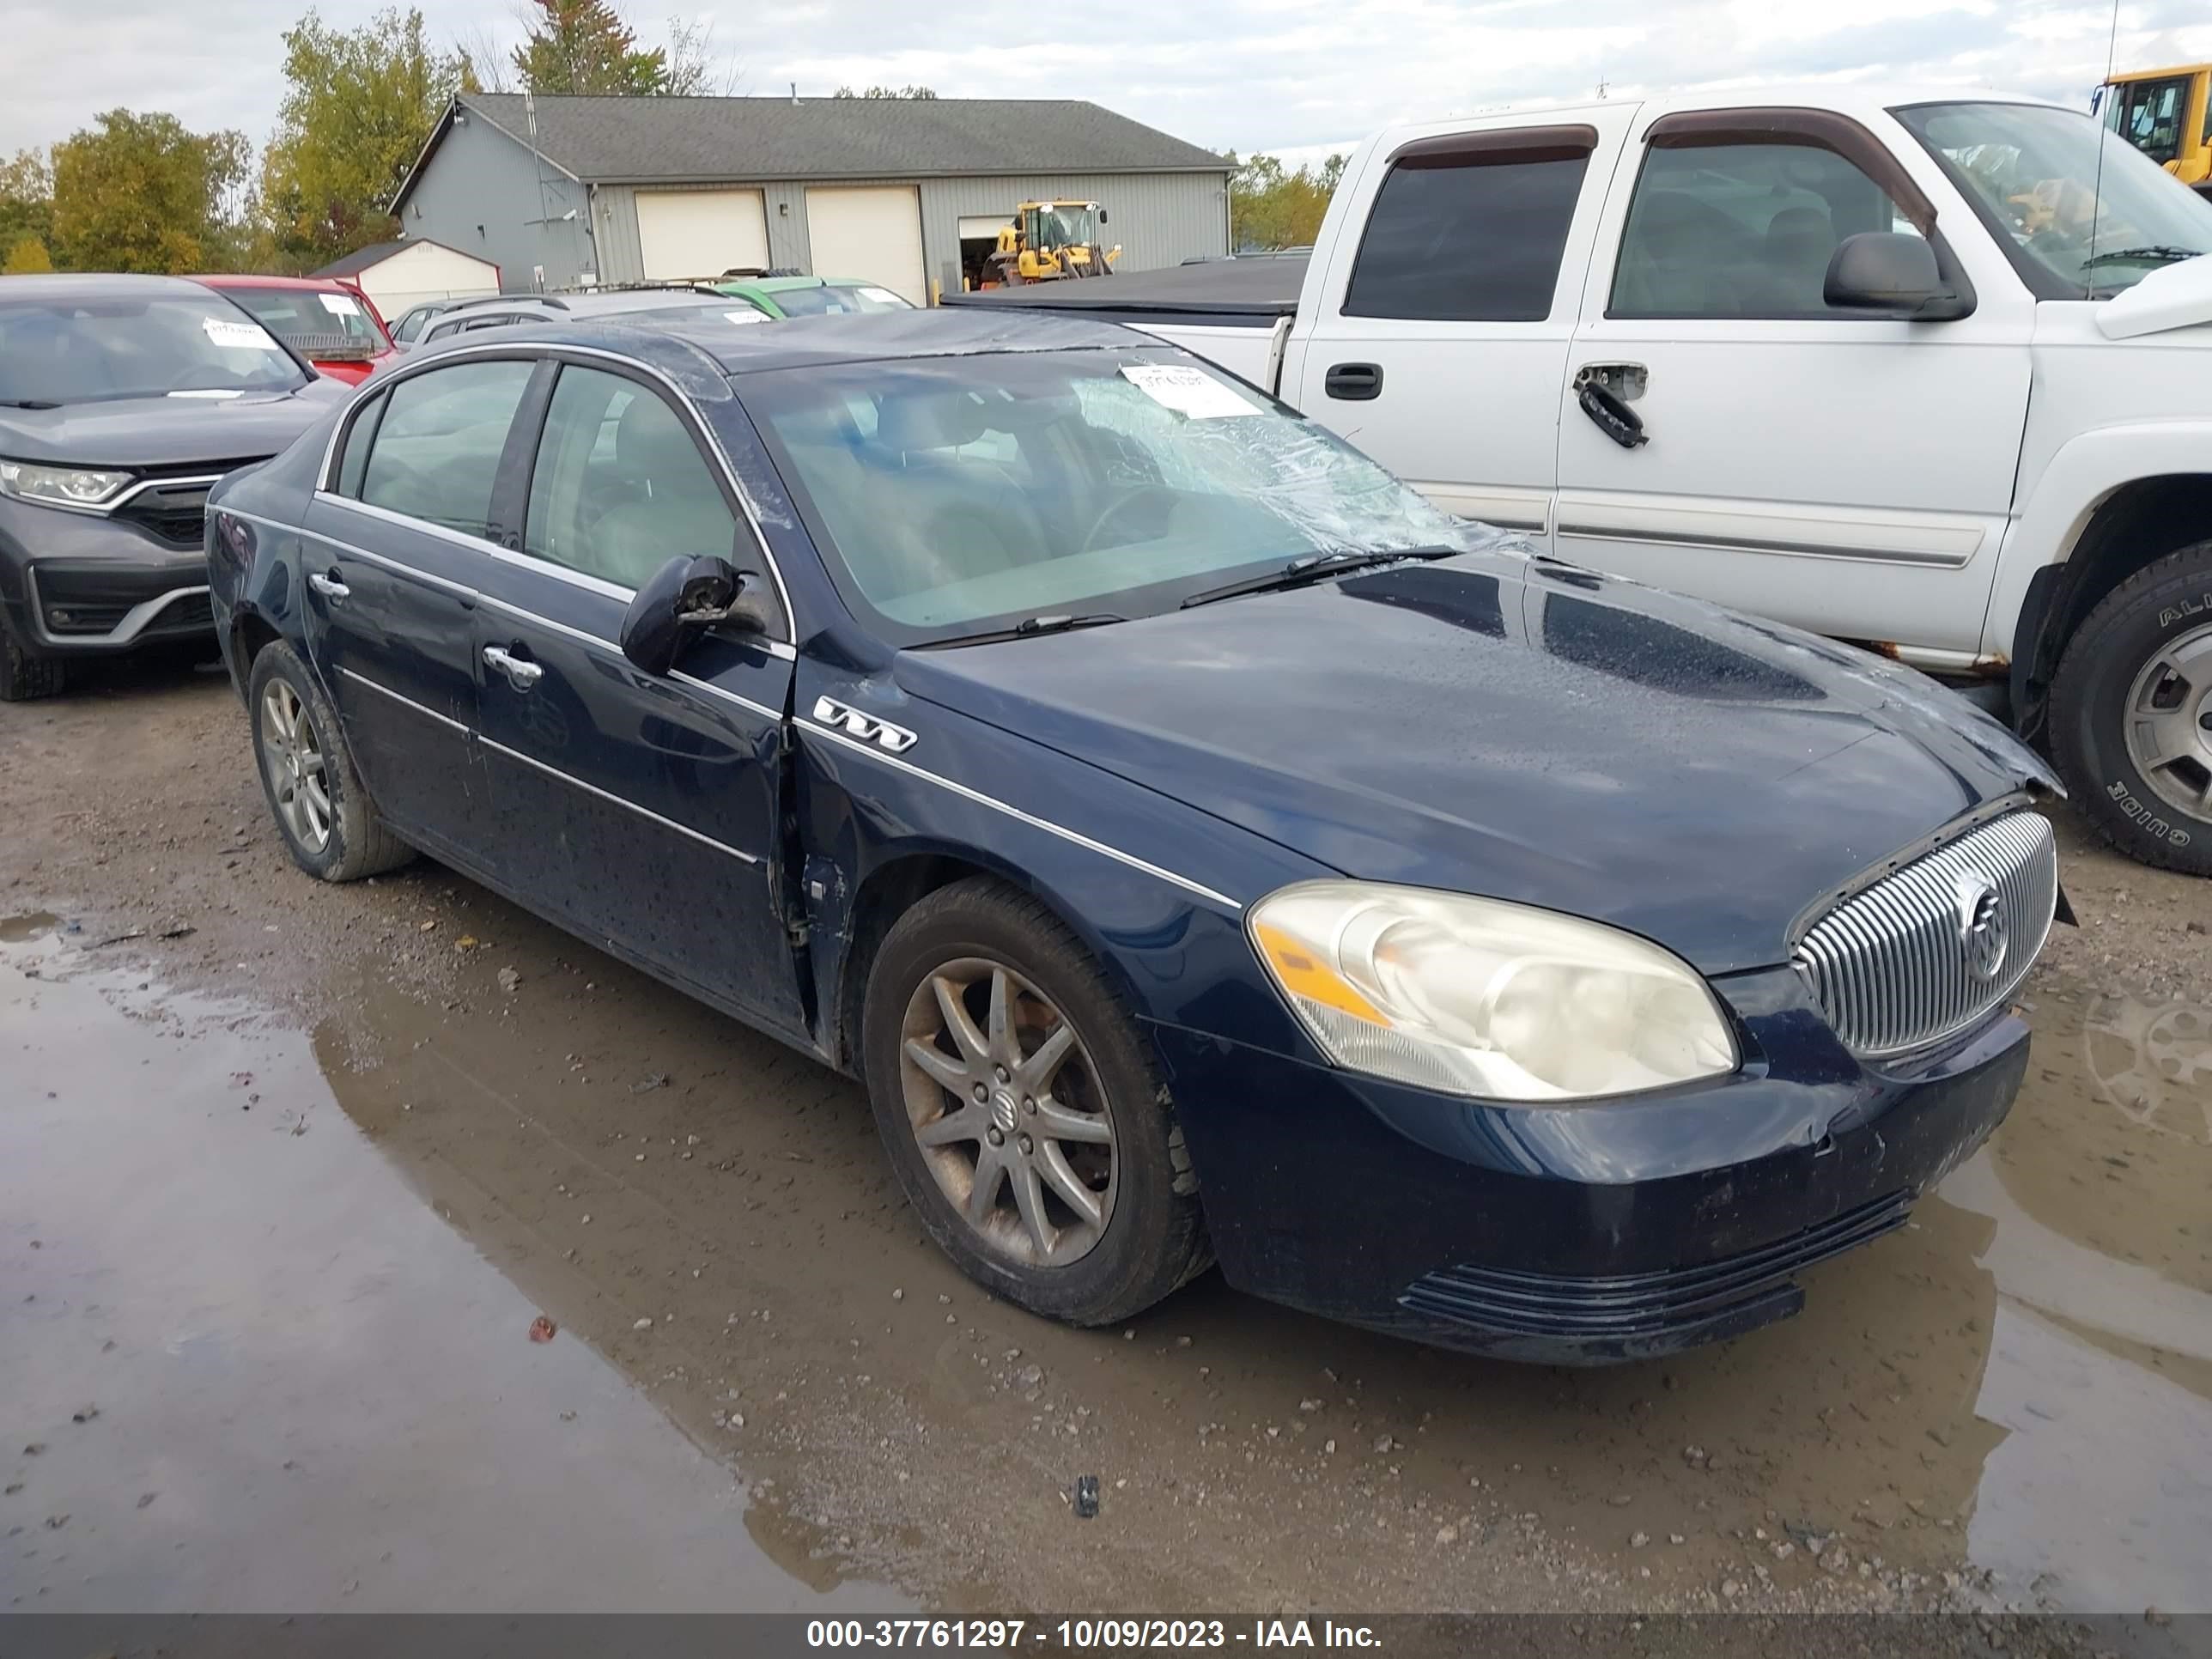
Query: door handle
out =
(1353, 383)
(1612, 417)
(521, 672)
(329, 586)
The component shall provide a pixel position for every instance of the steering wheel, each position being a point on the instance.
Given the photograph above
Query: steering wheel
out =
(1119, 504)
(204, 377)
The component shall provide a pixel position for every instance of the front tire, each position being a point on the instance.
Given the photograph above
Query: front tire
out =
(22, 676)
(330, 825)
(2132, 713)
(1022, 1113)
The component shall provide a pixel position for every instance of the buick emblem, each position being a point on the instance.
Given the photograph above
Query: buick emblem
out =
(1983, 932)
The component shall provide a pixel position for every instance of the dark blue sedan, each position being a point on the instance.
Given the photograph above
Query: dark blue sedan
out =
(1202, 847)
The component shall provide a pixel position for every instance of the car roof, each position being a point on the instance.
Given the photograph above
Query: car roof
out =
(741, 348)
(87, 285)
(239, 279)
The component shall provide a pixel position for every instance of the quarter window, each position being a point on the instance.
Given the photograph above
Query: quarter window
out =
(1476, 238)
(620, 487)
(358, 436)
(1743, 230)
(435, 453)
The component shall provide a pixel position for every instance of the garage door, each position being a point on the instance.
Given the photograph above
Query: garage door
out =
(874, 233)
(700, 233)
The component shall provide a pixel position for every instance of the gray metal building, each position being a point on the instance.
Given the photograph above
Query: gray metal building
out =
(558, 192)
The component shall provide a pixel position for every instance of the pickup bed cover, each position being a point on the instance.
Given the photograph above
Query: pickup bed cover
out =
(1250, 292)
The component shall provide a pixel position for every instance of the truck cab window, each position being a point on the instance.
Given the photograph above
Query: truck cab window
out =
(1475, 240)
(1741, 230)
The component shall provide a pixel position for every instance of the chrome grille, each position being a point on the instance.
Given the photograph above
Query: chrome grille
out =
(1891, 966)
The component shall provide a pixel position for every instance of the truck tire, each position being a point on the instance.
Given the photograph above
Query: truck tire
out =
(2132, 713)
(22, 676)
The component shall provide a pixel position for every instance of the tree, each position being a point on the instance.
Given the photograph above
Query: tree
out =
(1272, 208)
(358, 106)
(583, 48)
(141, 192)
(884, 92)
(27, 197)
(26, 255)
(695, 69)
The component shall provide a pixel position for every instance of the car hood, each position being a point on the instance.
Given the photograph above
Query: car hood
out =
(1524, 730)
(130, 432)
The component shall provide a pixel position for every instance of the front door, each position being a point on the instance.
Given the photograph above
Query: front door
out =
(643, 808)
(393, 551)
(1459, 301)
(1851, 474)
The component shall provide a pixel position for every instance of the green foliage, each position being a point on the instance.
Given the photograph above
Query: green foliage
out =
(583, 48)
(141, 192)
(358, 106)
(1271, 208)
(26, 199)
(26, 255)
(884, 92)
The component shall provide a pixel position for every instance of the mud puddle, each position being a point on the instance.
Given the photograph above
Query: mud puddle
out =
(2008, 1402)
(242, 1367)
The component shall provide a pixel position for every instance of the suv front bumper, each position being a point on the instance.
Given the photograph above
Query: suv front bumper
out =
(79, 584)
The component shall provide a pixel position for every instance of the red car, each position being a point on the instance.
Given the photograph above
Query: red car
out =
(330, 324)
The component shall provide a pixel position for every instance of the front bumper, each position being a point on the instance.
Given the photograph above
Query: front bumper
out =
(79, 584)
(1583, 1234)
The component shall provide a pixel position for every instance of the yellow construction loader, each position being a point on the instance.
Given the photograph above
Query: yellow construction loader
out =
(2164, 112)
(1046, 241)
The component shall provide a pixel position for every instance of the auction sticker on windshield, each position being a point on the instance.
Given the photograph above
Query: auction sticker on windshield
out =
(339, 305)
(238, 336)
(1188, 391)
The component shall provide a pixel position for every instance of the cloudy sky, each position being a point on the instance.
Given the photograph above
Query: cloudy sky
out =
(1283, 75)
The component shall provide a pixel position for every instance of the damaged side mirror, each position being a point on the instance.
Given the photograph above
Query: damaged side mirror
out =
(686, 595)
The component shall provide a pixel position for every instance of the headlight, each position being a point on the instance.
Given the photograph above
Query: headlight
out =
(1478, 997)
(59, 486)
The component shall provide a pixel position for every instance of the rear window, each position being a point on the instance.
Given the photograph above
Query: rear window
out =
(1475, 241)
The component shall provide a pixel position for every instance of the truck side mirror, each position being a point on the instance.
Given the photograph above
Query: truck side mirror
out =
(1887, 273)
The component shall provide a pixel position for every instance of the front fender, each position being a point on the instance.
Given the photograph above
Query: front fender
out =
(2082, 477)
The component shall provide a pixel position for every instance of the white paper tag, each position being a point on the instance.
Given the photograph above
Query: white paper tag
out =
(748, 315)
(882, 296)
(339, 305)
(238, 336)
(1187, 391)
(217, 394)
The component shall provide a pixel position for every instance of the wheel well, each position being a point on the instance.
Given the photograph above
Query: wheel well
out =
(891, 890)
(2136, 526)
(249, 636)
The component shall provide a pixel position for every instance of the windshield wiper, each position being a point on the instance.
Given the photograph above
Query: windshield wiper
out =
(1313, 568)
(2163, 253)
(1028, 627)
(26, 403)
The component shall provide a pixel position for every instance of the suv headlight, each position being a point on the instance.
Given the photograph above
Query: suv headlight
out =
(1478, 997)
(60, 486)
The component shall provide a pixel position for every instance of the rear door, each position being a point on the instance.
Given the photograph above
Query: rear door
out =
(644, 810)
(396, 540)
(1849, 474)
(1451, 309)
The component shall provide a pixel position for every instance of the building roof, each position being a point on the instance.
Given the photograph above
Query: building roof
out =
(684, 140)
(377, 252)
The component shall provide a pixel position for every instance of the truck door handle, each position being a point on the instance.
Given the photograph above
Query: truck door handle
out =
(1612, 417)
(521, 672)
(1353, 383)
(330, 586)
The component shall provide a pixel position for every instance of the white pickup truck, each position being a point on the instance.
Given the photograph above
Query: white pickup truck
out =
(1925, 372)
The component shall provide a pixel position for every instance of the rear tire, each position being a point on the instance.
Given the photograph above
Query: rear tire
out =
(1088, 1209)
(2132, 713)
(330, 825)
(22, 676)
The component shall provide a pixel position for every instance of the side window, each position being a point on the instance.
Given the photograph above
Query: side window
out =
(435, 453)
(1742, 230)
(619, 488)
(358, 436)
(1467, 239)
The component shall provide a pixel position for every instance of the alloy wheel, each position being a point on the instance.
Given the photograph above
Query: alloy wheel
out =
(1009, 1114)
(2169, 722)
(292, 756)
